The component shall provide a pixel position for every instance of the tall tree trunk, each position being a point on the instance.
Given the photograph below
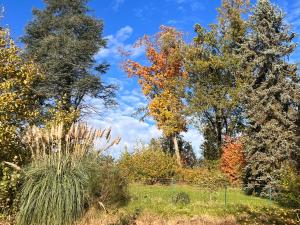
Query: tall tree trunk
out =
(178, 157)
(219, 130)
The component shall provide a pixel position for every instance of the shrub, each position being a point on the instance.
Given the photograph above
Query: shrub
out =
(289, 194)
(203, 177)
(58, 182)
(10, 184)
(232, 160)
(187, 154)
(19, 106)
(181, 198)
(148, 165)
(109, 187)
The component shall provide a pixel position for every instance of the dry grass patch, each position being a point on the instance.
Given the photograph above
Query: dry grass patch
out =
(94, 217)
(199, 220)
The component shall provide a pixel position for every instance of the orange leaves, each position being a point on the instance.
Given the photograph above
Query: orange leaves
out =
(162, 81)
(232, 160)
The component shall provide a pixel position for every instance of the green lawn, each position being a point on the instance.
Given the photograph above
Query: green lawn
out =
(157, 199)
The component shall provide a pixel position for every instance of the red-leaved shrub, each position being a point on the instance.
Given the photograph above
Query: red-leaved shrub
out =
(232, 160)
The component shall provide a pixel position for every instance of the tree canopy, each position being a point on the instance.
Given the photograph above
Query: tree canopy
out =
(63, 39)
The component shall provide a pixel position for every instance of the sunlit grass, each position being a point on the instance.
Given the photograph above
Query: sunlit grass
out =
(152, 204)
(157, 199)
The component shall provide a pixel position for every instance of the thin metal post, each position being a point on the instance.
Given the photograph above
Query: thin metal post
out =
(270, 193)
(225, 195)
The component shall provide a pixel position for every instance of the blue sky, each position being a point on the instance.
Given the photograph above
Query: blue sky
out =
(125, 21)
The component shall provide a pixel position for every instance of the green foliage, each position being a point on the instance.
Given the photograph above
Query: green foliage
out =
(187, 154)
(108, 185)
(271, 99)
(63, 39)
(148, 165)
(203, 177)
(214, 82)
(289, 193)
(210, 148)
(181, 198)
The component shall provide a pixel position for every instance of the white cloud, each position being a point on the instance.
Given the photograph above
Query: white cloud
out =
(124, 33)
(130, 129)
(117, 4)
(117, 44)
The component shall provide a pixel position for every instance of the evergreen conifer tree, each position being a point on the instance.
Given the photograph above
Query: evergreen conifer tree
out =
(271, 99)
(63, 39)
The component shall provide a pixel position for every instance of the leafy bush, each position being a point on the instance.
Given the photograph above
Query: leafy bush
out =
(181, 198)
(109, 187)
(10, 184)
(232, 160)
(58, 182)
(204, 177)
(19, 106)
(148, 165)
(289, 195)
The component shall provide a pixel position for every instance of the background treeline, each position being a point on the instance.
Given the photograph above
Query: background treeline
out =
(236, 83)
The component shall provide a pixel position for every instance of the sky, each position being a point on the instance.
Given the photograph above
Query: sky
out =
(124, 22)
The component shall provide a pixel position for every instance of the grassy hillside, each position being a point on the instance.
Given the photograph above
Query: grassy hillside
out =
(157, 199)
(152, 204)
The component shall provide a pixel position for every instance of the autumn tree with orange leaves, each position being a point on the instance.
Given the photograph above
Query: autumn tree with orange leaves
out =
(163, 81)
(233, 159)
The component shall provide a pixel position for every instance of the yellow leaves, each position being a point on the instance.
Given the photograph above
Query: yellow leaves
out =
(166, 109)
(59, 114)
(18, 105)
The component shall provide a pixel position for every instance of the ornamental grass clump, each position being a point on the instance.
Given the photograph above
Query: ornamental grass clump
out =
(57, 184)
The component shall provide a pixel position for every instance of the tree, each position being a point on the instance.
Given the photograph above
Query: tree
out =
(63, 40)
(187, 154)
(163, 81)
(271, 99)
(214, 82)
(209, 147)
(233, 159)
(19, 107)
(18, 100)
